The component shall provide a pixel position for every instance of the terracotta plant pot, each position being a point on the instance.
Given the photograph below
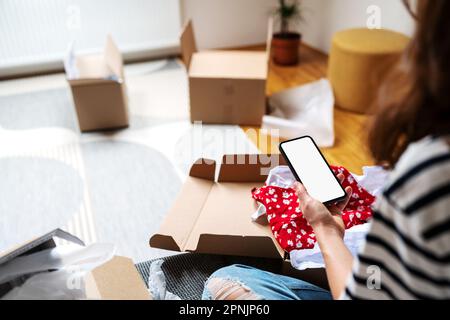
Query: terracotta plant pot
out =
(285, 48)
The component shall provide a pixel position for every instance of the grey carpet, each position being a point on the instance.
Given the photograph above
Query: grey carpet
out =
(54, 108)
(124, 188)
(113, 186)
(186, 274)
(26, 186)
(51, 108)
(41, 109)
(134, 187)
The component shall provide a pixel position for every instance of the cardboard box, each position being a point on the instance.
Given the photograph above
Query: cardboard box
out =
(215, 217)
(225, 87)
(98, 88)
(117, 279)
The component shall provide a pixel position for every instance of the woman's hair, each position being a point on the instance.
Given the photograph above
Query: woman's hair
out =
(415, 100)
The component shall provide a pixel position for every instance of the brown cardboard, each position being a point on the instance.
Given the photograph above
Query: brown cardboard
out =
(188, 44)
(214, 217)
(225, 87)
(99, 91)
(117, 279)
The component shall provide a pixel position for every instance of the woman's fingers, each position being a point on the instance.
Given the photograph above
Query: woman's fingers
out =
(302, 194)
(305, 199)
(340, 177)
(342, 204)
(301, 191)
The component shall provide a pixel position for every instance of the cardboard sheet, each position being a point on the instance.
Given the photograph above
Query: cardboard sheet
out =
(214, 216)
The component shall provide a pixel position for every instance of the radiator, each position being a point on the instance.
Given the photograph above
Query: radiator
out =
(34, 34)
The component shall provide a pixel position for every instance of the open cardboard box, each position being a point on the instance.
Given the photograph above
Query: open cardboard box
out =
(214, 215)
(98, 88)
(117, 279)
(225, 86)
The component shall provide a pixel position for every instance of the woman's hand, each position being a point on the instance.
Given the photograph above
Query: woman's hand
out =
(320, 216)
(329, 229)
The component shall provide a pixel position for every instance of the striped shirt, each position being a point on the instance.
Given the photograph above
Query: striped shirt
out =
(407, 251)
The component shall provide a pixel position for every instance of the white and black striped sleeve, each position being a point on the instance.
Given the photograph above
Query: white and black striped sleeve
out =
(407, 251)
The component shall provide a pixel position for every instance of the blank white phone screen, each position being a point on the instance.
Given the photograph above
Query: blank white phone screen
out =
(312, 169)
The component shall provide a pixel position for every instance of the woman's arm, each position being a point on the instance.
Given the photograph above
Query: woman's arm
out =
(329, 229)
(337, 257)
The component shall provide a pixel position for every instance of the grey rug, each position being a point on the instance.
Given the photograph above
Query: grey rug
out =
(41, 109)
(110, 187)
(186, 274)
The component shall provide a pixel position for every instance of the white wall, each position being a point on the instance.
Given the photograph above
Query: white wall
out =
(228, 23)
(233, 23)
(322, 18)
(34, 35)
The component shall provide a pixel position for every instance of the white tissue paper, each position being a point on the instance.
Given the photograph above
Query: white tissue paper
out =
(304, 110)
(70, 65)
(373, 180)
(312, 258)
(54, 274)
(157, 283)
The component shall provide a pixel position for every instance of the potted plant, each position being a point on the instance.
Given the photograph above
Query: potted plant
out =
(285, 43)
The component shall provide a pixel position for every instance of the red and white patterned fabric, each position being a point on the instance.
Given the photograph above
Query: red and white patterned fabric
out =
(287, 223)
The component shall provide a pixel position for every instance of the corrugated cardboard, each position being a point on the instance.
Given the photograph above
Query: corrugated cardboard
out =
(214, 217)
(117, 279)
(225, 87)
(99, 91)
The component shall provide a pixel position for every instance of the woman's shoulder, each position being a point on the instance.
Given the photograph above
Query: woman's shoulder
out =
(422, 151)
(423, 172)
(408, 237)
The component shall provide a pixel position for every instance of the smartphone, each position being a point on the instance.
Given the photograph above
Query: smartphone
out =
(310, 168)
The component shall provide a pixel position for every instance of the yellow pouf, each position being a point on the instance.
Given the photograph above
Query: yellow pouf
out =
(359, 61)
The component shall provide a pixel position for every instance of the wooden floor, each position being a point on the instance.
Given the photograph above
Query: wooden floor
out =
(350, 148)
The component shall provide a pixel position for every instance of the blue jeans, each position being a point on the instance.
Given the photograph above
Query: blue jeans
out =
(251, 283)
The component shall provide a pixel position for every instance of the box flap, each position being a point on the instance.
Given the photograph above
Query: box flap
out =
(46, 239)
(181, 218)
(211, 217)
(118, 279)
(229, 64)
(113, 58)
(248, 168)
(187, 43)
(92, 66)
(96, 66)
(250, 246)
(269, 36)
(203, 168)
(224, 224)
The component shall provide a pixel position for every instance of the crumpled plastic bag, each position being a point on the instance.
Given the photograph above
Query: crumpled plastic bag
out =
(54, 274)
(303, 110)
(157, 283)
